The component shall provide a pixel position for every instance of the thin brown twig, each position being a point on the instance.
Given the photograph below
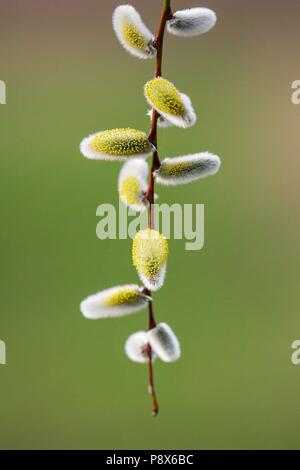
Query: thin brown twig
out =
(158, 43)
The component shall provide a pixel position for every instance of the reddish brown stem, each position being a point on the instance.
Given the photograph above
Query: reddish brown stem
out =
(155, 407)
(158, 43)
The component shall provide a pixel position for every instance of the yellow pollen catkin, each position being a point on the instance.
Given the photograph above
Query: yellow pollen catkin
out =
(149, 252)
(123, 297)
(130, 191)
(119, 142)
(133, 36)
(177, 169)
(164, 96)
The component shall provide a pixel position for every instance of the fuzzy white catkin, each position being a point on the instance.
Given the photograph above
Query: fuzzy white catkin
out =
(182, 170)
(116, 145)
(133, 184)
(135, 348)
(166, 99)
(150, 253)
(192, 22)
(188, 119)
(139, 43)
(154, 283)
(164, 342)
(114, 302)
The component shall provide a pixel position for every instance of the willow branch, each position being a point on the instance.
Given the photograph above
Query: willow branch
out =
(158, 43)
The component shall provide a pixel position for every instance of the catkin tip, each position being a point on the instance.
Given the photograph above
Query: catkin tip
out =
(132, 33)
(192, 22)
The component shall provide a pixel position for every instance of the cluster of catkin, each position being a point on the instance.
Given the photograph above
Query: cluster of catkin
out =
(150, 248)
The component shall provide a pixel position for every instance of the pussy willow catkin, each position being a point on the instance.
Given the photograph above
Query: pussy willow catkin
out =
(150, 249)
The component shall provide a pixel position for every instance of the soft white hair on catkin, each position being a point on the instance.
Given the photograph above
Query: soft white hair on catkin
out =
(162, 122)
(201, 165)
(129, 13)
(138, 169)
(188, 119)
(192, 22)
(164, 342)
(97, 306)
(135, 348)
(88, 152)
(155, 283)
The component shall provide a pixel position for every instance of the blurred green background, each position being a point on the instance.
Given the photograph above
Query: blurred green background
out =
(234, 305)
